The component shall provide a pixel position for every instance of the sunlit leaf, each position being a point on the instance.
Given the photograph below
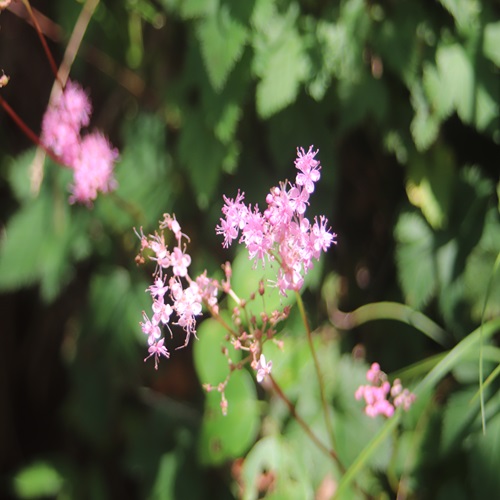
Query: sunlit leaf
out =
(222, 40)
(38, 480)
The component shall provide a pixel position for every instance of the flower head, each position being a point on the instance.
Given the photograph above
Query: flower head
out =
(380, 398)
(281, 233)
(176, 297)
(93, 169)
(91, 156)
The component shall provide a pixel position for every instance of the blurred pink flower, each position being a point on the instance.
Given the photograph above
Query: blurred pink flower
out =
(263, 368)
(91, 157)
(93, 169)
(376, 395)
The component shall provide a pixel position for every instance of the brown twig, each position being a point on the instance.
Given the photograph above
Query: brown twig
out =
(310, 434)
(62, 75)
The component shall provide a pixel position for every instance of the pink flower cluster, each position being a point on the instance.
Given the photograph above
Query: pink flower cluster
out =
(91, 157)
(177, 294)
(377, 393)
(281, 233)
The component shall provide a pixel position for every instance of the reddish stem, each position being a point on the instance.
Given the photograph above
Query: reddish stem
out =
(29, 133)
(46, 49)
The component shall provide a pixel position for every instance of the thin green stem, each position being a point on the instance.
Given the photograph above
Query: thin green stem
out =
(324, 403)
(483, 313)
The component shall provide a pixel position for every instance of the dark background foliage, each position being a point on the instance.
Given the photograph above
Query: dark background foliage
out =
(202, 98)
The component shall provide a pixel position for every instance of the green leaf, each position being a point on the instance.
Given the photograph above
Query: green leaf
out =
(491, 42)
(115, 305)
(414, 258)
(203, 156)
(222, 41)
(20, 260)
(245, 282)
(19, 175)
(280, 61)
(483, 461)
(226, 437)
(480, 266)
(465, 12)
(146, 183)
(211, 365)
(273, 454)
(195, 8)
(457, 418)
(457, 84)
(39, 244)
(431, 184)
(425, 124)
(38, 480)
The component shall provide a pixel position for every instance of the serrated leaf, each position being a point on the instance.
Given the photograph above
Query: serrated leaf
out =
(414, 259)
(222, 41)
(286, 68)
(280, 60)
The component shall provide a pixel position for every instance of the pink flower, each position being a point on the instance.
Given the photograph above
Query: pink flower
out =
(179, 261)
(309, 168)
(162, 311)
(158, 289)
(157, 349)
(179, 302)
(282, 231)
(63, 120)
(150, 328)
(263, 369)
(93, 169)
(74, 105)
(235, 212)
(92, 158)
(376, 395)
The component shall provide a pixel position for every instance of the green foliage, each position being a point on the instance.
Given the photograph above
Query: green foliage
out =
(38, 480)
(229, 436)
(207, 97)
(42, 240)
